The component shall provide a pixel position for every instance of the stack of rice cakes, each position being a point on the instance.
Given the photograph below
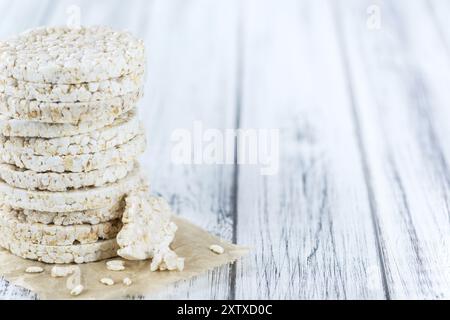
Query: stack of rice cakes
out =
(69, 140)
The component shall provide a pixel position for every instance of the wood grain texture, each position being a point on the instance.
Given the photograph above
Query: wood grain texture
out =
(311, 224)
(393, 73)
(191, 79)
(360, 207)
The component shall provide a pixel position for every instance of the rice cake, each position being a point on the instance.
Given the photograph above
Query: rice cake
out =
(53, 235)
(75, 163)
(94, 216)
(71, 55)
(81, 92)
(72, 200)
(123, 129)
(79, 253)
(67, 112)
(52, 181)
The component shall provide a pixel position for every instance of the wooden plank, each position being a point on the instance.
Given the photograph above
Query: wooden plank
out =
(191, 77)
(399, 112)
(309, 226)
(440, 11)
(428, 56)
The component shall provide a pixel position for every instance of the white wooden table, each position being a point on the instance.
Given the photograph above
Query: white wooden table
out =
(361, 205)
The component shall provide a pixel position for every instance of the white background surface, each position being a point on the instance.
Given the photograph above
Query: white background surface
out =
(360, 207)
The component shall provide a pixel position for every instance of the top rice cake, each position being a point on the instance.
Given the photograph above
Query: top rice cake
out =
(63, 55)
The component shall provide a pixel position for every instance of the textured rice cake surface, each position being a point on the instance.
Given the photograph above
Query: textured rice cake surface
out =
(52, 181)
(67, 112)
(147, 231)
(81, 92)
(123, 129)
(73, 200)
(94, 216)
(70, 55)
(11, 127)
(128, 151)
(79, 253)
(54, 235)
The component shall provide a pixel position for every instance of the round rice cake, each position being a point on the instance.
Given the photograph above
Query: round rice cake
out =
(123, 129)
(79, 253)
(71, 55)
(53, 235)
(53, 181)
(11, 127)
(75, 163)
(94, 216)
(72, 200)
(67, 112)
(81, 92)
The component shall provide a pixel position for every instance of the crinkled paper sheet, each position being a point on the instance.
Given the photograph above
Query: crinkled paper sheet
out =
(191, 242)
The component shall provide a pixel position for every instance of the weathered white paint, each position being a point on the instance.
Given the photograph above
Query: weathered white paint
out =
(311, 225)
(393, 78)
(360, 208)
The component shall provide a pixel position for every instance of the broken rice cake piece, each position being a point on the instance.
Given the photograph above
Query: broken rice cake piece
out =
(148, 232)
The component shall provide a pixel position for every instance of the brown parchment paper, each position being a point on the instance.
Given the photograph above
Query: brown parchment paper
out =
(191, 242)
